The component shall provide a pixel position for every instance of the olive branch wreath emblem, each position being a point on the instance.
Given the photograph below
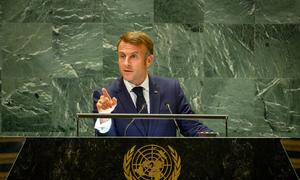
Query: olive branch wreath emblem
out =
(175, 158)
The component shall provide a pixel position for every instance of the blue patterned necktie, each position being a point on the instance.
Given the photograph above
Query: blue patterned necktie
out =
(141, 105)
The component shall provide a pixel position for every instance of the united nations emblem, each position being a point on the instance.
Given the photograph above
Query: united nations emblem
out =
(151, 162)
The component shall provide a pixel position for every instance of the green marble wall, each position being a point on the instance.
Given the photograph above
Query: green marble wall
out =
(236, 57)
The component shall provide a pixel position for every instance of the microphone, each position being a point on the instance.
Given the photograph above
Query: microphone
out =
(205, 133)
(169, 108)
(128, 125)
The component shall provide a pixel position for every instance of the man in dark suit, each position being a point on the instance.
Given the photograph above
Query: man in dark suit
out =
(138, 92)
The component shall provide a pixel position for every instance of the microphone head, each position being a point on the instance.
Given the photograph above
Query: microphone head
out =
(168, 107)
(143, 107)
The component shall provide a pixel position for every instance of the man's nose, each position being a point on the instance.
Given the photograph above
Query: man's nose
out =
(126, 62)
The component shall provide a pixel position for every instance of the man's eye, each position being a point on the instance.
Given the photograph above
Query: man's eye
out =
(134, 56)
(122, 56)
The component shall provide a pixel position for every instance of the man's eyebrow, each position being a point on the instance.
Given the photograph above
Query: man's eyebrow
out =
(134, 52)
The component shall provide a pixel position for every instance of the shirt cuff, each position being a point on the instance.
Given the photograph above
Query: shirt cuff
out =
(103, 127)
(104, 124)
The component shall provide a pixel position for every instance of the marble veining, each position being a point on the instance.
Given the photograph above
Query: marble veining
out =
(235, 57)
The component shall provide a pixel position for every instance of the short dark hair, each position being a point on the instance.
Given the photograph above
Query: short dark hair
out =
(137, 38)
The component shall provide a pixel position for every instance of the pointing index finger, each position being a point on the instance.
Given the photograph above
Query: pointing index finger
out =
(105, 93)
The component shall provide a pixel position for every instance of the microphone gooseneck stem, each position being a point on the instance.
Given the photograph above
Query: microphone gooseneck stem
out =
(128, 125)
(168, 106)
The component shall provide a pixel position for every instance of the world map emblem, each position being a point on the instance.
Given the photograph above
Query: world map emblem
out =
(152, 162)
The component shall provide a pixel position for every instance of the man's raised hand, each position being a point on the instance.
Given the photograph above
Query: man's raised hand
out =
(105, 101)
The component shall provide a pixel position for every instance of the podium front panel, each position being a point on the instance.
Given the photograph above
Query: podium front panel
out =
(152, 158)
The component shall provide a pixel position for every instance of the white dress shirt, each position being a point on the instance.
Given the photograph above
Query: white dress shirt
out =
(105, 126)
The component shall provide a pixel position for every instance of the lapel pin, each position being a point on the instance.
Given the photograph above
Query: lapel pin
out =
(155, 92)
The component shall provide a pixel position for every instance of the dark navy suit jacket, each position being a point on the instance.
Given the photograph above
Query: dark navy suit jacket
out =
(162, 91)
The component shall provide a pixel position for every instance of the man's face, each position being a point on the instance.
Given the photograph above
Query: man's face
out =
(134, 61)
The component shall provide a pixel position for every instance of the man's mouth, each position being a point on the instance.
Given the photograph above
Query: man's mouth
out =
(126, 70)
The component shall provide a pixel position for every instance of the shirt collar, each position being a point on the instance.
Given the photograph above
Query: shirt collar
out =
(130, 86)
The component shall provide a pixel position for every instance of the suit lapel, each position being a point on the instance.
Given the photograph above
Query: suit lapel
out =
(154, 94)
(128, 105)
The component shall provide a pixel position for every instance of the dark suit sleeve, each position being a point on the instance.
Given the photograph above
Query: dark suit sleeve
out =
(96, 96)
(187, 127)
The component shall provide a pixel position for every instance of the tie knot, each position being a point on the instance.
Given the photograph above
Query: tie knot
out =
(138, 91)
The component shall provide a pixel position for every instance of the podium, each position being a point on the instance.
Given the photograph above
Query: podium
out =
(119, 158)
(166, 117)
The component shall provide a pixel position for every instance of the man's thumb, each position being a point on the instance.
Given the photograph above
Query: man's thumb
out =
(114, 101)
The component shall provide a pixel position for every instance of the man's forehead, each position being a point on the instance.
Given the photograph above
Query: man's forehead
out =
(131, 48)
(128, 51)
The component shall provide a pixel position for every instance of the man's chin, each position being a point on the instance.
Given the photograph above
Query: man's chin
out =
(130, 80)
(127, 78)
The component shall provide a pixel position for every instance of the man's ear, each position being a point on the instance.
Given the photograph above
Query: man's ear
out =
(149, 60)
